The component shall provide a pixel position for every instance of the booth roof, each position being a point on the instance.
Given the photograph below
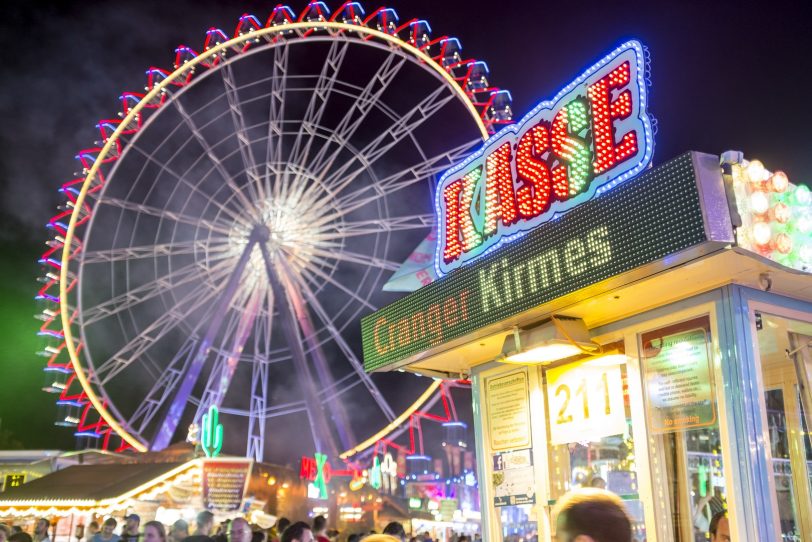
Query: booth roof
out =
(91, 482)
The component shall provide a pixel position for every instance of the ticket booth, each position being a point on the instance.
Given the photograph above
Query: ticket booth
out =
(651, 338)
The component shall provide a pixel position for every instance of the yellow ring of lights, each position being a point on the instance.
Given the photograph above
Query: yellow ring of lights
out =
(154, 92)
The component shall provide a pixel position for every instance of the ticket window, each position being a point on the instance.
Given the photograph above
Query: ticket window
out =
(590, 432)
(786, 366)
(682, 421)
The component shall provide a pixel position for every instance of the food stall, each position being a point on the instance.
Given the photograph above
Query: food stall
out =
(162, 490)
(635, 327)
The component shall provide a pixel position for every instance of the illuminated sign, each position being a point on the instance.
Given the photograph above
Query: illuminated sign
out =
(585, 402)
(224, 483)
(656, 214)
(389, 474)
(13, 480)
(591, 136)
(776, 214)
(211, 433)
(317, 470)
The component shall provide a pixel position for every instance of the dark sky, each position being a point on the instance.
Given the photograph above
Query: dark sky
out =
(725, 76)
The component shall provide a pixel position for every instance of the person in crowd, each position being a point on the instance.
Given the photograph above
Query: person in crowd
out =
(222, 531)
(154, 532)
(130, 531)
(592, 515)
(354, 537)
(464, 538)
(178, 531)
(277, 530)
(41, 530)
(92, 529)
(5, 532)
(106, 534)
(16, 529)
(597, 482)
(298, 532)
(395, 528)
(20, 537)
(719, 530)
(240, 531)
(320, 529)
(205, 525)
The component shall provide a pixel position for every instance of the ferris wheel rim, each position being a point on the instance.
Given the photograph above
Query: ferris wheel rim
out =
(156, 91)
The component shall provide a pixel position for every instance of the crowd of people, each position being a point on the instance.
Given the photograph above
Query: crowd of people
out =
(236, 530)
(585, 515)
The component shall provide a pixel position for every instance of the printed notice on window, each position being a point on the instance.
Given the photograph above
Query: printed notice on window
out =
(678, 381)
(508, 411)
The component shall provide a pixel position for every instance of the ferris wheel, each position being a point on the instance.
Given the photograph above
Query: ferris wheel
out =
(234, 222)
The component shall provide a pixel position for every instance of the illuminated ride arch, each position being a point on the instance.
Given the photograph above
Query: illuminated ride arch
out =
(236, 219)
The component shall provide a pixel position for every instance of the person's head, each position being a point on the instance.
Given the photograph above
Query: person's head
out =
(719, 527)
(205, 523)
(240, 531)
(179, 530)
(20, 537)
(597, 482)
(5, 532)
(592, 515)
(92, 528)
(42, 526)
(380, 538)
(354, 537)
(282, 524)
(319, 525)
(395, 529)
(132, 522)
(108, 527)
(154, 531)
(297, 532)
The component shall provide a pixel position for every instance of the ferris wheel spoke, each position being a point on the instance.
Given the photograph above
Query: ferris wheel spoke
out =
(335, 332)
(243, 141)
(149, 290)
(429, 168)
(388, 139)
(177, 248)
(162, 388)
(218, 165)
(355, 115)
(356, 257)
(311, 272)
(377, 226)
(274, 150)
(184, 181)
(150, 335)
(317, 105)
(165, 214)
(370, 193)
(339, 392)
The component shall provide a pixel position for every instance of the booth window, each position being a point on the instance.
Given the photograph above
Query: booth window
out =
(682, 421)
(589, 429)
(786, 366)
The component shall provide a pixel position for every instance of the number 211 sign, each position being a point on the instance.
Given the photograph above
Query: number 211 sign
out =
(585, 402)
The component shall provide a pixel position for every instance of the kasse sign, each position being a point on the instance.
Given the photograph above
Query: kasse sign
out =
(593, 135)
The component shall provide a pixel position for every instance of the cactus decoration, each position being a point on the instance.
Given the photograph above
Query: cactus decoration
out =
(211, 433)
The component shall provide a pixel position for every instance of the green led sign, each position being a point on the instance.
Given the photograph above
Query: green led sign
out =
(211, 433)
(640, 221)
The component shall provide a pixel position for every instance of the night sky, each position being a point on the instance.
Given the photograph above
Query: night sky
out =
(725, 76)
